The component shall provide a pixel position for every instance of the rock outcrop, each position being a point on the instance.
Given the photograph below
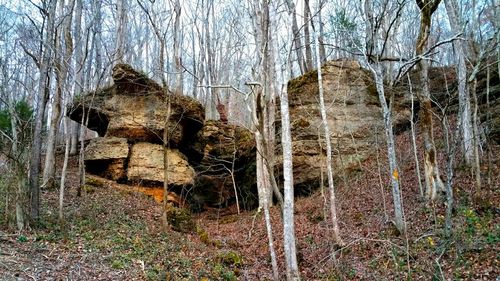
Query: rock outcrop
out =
(146, 164)
(107, 157)
(211, 163)
(227, 167)
(354, 119)
(130, 117)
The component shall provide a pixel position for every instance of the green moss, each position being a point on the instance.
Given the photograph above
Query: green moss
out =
(180, 219)
(230, 258)
(92, 182)
(309, 77)
(203, 235)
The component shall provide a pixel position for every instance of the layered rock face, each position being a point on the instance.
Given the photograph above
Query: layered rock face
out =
(130, 118)
(354, 119)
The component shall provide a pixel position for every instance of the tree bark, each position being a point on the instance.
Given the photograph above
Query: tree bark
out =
(120, 31)
(43, 94)
(307, 37)
(432, 177)
(296, 36)
(463, 90)
(391, 148)
(78, 71)
(63, 57)
(414, 141)
(292, 269)
(329, 162)
(176, 54)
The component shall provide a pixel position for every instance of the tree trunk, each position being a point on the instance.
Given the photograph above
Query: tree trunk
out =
(274, 262)
(307, 37)
(177, 56)
(292, 269)
(62, 61)
(43, 94)
(329, 162)
(463, 90)
(16, 153)
(78, 71)
(297, 44)
(414, 141)
(68, 133)
(322, 51)
(120, 31)
(475, 131)
(391, 149)
(432, 178)
(166, 164)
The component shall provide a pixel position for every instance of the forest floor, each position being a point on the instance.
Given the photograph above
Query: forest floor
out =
(114, 234)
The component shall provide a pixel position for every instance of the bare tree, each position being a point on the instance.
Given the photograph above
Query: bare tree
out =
(296, 36)
(373, 53)
(43, 95)
(292, 269)
(121, 29)
(261, 118)
(463, 90)
(64, 50)
(329, 156)
(432, 178)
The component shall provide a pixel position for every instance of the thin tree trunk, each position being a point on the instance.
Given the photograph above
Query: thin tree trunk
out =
(78, 71)
(292, 269)
(463, 91)
(475, 131)
(43, 94)
(274, 262)
(322, 51)
(64, 56)
(450, 151)
(307, 37)
(166, 164)
(120, 31)
(177, 56)
(391, 149)
(414, 141)
(329, 162)
(67, 133)
(297, 44)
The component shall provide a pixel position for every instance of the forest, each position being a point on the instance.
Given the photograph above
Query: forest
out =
(249, 140)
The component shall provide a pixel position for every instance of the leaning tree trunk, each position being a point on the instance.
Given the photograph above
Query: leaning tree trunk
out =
(432, 178)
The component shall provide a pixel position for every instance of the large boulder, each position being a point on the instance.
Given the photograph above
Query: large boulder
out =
(146, 164)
